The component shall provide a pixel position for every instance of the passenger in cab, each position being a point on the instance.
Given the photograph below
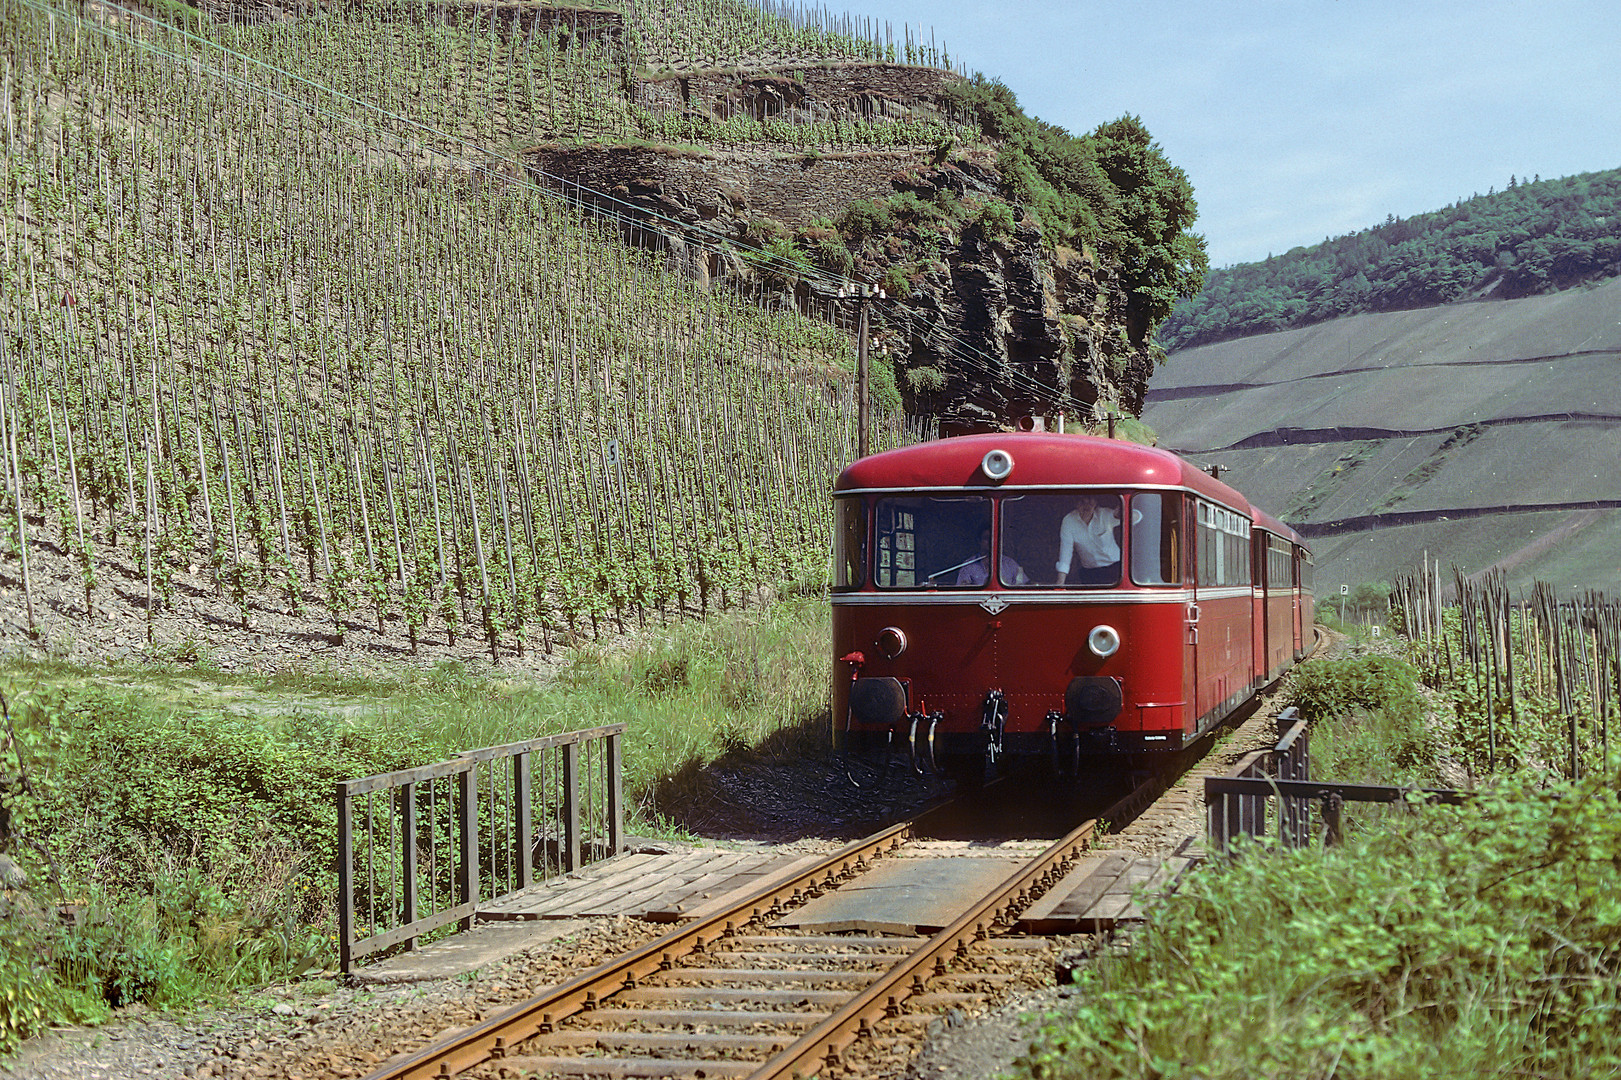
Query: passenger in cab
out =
(1087, 536)
(976, 572)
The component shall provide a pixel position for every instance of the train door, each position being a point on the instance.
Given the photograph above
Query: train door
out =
(1261, 620)
(1301, 587)
(1207, 550)
(1189, 540)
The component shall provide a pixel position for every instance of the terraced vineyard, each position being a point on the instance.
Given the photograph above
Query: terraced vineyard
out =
(311, 336)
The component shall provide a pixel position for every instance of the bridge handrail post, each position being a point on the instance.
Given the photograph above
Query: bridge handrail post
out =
(468, 842)
(614, 763)
(571, 807)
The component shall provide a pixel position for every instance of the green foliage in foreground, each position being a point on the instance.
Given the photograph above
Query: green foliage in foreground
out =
(1327, 689)
(188, 815)
(1482, 941)
(1377, 731)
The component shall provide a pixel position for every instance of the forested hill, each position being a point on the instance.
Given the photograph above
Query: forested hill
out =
(1533, 237)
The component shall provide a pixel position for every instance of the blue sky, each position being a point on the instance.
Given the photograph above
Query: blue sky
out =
(1300, 119)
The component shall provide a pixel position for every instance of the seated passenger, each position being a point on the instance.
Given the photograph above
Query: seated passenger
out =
(1087, 536)
(976, 572)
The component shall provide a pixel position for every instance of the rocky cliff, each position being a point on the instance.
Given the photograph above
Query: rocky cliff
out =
(986, 323)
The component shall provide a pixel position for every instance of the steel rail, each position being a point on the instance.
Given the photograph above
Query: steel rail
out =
(823, 1046)
(497, 1036)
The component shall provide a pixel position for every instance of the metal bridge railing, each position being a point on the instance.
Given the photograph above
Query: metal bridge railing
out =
(421, 848)
(1241, 803)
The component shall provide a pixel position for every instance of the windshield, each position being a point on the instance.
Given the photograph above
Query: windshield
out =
(932, 542)
(1156, 538)
(1064, 538)
(849, 543)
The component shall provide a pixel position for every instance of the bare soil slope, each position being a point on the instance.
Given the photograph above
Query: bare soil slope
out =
(1483, 433)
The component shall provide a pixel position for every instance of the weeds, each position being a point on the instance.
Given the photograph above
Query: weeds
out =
(1481, 941)
(196, 838)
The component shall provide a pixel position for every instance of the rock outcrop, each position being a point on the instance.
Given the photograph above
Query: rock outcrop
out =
(986, 323)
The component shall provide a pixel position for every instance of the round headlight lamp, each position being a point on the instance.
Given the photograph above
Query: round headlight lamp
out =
(1104, 641)
(891, 641)
(997, 465)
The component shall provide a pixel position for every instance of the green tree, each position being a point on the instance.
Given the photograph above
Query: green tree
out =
(1164, 262)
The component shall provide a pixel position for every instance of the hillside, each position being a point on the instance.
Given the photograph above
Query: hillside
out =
(1533, 237)
(1480, 433)
(437, 327)
(275, 369)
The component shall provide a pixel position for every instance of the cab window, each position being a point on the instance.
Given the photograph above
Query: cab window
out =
(1156, 538)
(1065, 538)
(931, 542)
(849, 543)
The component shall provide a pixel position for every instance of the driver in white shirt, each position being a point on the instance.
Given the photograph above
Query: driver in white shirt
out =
(1087, 536)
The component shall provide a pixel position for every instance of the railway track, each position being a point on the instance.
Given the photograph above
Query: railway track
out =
(730, 995)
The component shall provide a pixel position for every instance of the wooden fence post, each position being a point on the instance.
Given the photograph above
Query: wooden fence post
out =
(616, 796)
(408, 858)
(524, 827)
(1332, 804)
(346, 879)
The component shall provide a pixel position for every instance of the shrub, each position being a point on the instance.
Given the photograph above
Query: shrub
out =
(1378, 733)
(865, 219)
(925, 380)
(997, 221)
(831, 255)
(1474, 941)
(897, 281)
(781, 257)
(907, 207)
(117, 954)
(1327, 688)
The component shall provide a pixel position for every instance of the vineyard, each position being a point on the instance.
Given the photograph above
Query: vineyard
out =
(308, 336)
(1535, 680)
(454, 76)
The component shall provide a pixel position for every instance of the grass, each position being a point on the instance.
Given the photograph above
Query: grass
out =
(1428, 949)
(188, 812)
(1437, 942)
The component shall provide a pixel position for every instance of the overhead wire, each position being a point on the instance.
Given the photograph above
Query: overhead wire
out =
(602, 205)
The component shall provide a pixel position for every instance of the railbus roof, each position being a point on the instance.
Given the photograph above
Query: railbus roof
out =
(1044, 459)
(1040, 459)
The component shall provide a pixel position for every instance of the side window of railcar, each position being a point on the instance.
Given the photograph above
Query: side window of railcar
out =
(849, 543)
(1224, 541)
(1279, 573)
(932, 542)
(1212, 546)
(1156, 538)
(1067, 538)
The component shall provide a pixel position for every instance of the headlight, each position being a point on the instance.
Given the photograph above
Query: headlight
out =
(997, 465)
(891, 641)
(1104, 641)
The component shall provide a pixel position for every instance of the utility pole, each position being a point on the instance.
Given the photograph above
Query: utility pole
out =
(864, 296)
(861, 381)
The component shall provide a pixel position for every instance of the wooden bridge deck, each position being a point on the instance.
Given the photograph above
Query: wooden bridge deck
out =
(1105, 889)
(662, 887)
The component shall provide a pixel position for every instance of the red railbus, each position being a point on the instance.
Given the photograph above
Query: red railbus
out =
(1052, 595)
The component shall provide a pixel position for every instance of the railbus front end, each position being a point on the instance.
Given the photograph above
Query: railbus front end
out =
(1036, 596)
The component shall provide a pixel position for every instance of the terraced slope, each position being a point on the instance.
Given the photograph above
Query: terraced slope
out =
(1486, 432)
